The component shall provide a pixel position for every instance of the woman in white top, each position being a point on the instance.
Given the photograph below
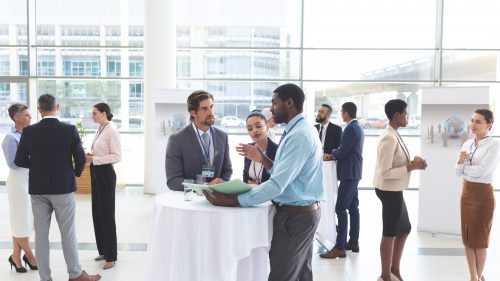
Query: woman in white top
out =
(391, 177)
(21, 215)
(106, 150)
(477, 161)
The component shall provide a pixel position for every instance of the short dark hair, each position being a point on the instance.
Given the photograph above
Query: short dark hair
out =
(15, 109)
(328, 106)
(256, 113)
(487, 114)
(194, 99)
(350, 108)
(104, 107)
(393, 106)
(291, 91)
(47, 103)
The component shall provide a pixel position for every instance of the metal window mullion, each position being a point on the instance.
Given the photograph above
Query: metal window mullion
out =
(438, 63)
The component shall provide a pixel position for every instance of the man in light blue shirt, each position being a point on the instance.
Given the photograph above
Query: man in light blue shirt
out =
(295, 187)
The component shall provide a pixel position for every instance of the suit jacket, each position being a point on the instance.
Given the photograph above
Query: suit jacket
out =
(350, 152)
(332, 138)
(184, 158)
(391, 173)
(270, 152)
(48, 150)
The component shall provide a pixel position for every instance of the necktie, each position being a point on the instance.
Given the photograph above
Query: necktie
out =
(321, 133)
(206, 140)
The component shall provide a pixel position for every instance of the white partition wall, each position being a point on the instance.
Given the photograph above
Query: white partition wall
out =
(446, 113)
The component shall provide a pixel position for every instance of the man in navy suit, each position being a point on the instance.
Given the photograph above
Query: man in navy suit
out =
(349, 167)
(329, 133)
(48, 150)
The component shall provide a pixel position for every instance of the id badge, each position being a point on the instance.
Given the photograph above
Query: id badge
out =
(208, 171)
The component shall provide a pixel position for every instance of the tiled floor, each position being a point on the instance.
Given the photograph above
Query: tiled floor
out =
(426, 257)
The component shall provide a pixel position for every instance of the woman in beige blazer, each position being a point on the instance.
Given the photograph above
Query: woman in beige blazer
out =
(392, 175)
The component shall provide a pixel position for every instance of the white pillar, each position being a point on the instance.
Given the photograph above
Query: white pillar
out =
(124, 107)
(159, 73)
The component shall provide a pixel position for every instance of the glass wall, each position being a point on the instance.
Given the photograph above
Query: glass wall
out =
(363, 51)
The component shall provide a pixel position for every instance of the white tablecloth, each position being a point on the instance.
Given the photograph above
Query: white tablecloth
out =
(327, 225)
(195, 240)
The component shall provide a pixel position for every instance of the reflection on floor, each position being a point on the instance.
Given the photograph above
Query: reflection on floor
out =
(427, 257)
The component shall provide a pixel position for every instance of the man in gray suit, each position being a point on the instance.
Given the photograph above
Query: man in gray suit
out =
(48, 149)
(199, 148)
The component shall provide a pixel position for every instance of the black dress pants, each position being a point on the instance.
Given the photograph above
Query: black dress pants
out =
(103, 181)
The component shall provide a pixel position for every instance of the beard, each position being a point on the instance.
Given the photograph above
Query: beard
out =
(320, 119)
(208, 122)
(279, 117)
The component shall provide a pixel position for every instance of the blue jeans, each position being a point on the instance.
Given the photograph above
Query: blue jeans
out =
(347, 199)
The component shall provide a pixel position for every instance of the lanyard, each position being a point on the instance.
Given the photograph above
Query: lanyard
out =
(471, 152)
(259, 175)
(403, 145)
(98, 134)
(286, 132)
(206, 153)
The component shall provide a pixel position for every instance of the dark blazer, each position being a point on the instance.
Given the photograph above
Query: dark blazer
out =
(350, 152)
(48, 149)
(270, 152)
(184, 158)
(332, 138)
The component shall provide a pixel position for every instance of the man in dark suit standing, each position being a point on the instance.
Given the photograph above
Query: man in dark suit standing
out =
(48, 150)
(349, 168)
(199, 148)
(329, 133)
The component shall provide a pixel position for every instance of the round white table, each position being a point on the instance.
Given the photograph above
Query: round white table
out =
(194, 240)
(327, 232)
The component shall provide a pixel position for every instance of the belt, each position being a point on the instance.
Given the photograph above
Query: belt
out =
(296, 209)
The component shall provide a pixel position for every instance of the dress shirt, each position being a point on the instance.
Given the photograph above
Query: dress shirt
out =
(106, 148)
(9, 146)
(200, 141)
(297, 172)
(483, 162)
(323, 135)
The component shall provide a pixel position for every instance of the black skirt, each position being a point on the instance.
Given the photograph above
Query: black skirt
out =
(395, 218)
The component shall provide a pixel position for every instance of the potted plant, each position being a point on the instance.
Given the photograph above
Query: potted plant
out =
(83, 185)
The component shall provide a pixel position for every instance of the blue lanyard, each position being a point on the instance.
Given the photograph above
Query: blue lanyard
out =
(286, 132)
(206, 153)
(470, 150)
(98, 134)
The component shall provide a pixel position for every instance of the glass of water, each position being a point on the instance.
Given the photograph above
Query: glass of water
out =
(188, 191)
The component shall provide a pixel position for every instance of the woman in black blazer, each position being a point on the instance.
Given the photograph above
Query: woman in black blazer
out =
(254, 172)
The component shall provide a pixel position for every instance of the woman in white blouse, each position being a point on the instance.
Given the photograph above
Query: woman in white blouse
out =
(106, 150)
(477, 161)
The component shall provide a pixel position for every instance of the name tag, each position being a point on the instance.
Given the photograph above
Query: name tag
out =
(208, 171)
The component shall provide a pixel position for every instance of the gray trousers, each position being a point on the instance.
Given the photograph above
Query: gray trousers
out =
(64, 207)
(292, 246)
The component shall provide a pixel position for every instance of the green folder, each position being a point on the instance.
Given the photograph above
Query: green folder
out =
(233, 187)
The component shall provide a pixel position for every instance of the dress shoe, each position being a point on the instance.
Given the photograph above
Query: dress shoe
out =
(333, 254)
(108, 265)
(27, 263)
(99, 258)
(20, 269)
(351, 247)
(85, 277)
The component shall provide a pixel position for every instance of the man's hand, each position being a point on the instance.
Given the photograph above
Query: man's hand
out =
(215, 181)
(251, 152)
(328, 157)
(221, 199)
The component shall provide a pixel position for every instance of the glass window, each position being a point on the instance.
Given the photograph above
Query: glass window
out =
(46, 67)
(471, 24)
(136, 67)
(369, 24)
(114, 67)
(471, 65)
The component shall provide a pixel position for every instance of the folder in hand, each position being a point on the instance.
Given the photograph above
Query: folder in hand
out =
(232, 187)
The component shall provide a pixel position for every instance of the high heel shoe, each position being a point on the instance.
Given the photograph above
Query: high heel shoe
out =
(18, 269)
(27, 262)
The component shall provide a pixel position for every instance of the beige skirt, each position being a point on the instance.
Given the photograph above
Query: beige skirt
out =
(476, 211)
